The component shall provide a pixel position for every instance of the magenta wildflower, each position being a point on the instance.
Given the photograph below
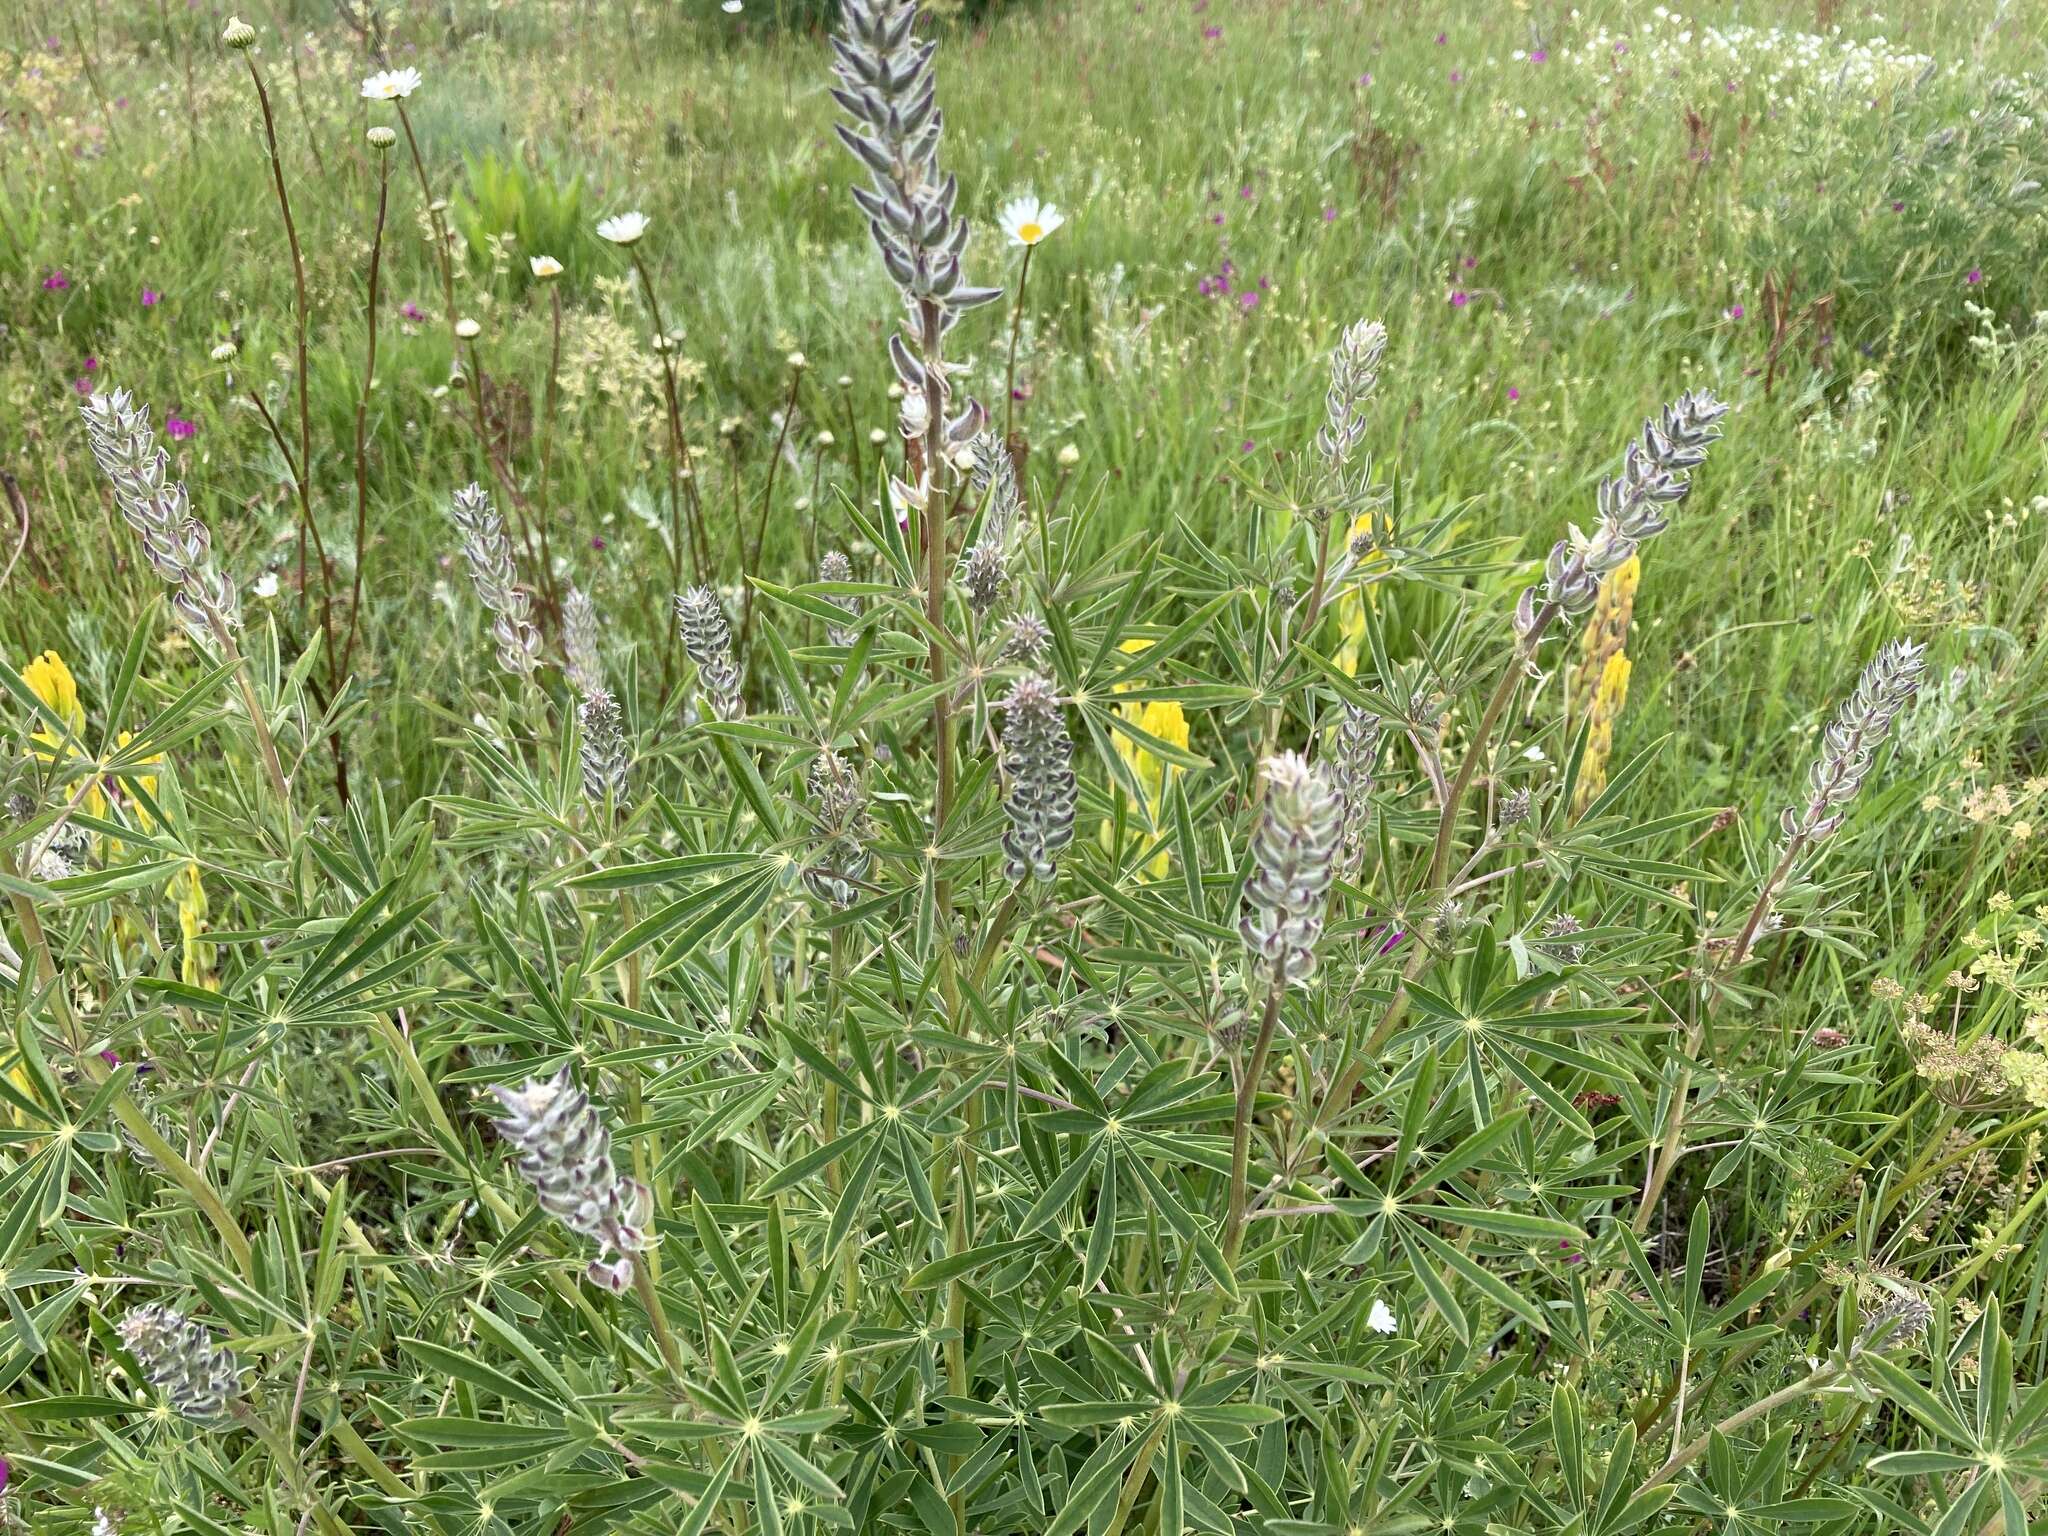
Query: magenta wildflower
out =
(150, 297)
(1329, 215)
(56, 282)
(1246, 446)
(83, 386)
(92, 365)
(1898, 207)
(1975, 277)
(1514, 394)
(412, 311)
(1471, 262)
(1540, 56)
(1733, 311)
(597, 541)
(1248, 300)
(1212, 31)
(178, 428)
(1457, 77)
(1460, 298)
(1442, 38)
(1215, 218)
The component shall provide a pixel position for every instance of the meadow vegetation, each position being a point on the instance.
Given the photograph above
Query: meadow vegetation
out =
(1293, 788)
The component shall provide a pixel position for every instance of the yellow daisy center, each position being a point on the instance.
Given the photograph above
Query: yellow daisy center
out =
(1031, 232)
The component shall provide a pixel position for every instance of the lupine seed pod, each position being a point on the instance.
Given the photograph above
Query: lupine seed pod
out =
(708, 638)
(176, 543)
(582, 658)
(1354, 375)
(1655, 473)
(834, 566)
(603, 753)
(181, 1359)
(1294, 859)
(840, 860)
(1038, 762)
(565, 1153)
(1353, 758)
(1857, 731)
(488, 550)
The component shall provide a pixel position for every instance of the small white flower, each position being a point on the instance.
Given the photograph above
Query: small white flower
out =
(544, 267)
(732, 7)
(265, 585)
(468, 329)
(1381, 1319)
(391, 84)
(1068, 456)
(225, 352)
(623, 228)
(1027, 221)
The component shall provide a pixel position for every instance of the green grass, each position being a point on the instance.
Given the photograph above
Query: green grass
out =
(1849, 247)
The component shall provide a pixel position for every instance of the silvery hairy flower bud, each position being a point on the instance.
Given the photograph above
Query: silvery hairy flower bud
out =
(1352, 761)
(488, 550)
(840, 860)
(994, 481)
(1895, 1322)
(1354, 375)
(1853, 737)
(984, 572)
(834, 566)
(1038, 764)
(175, 542)
(181, 1360)
(1026, 638)
(708, 638)
(604, 754)
(1514, 809)
(1563, 925)
(565, 1153)
(581, 658)
(1655, 474)
(1294, 859)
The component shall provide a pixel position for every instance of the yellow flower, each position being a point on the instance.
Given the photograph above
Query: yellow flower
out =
(1351, 605)
(1165, 719)
(51, 681)
(1608, 700)
(1606, 633)
(196, 962)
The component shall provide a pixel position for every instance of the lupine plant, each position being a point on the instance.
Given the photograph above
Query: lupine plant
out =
(728, 1096)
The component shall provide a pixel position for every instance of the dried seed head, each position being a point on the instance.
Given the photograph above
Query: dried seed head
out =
(1294, 859)
(581, 658)
(157, 507)
(1655, 473)
(604, 753)
(565, 1153)
(1038, 764)
(708, 638)
(181, 1360)
(488, 550)
(1850, 746)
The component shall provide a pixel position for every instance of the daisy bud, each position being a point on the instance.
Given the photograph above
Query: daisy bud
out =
(1294, 852)
(381, 137)
(181, 1360)
(238, 34)
(1068, 456)
(468, 329)
(1038, 764)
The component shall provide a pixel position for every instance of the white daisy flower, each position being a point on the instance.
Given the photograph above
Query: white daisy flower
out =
(1027, 221)
(391, 84)
(468, 329)
(544, 267)
(1381, 1319)
(732, 7)
(623, 228)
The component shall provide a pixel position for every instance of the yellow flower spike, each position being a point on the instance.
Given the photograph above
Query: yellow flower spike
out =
(1605, 634)
(51, 681)
(1165, 719)
(1608, 700)
(196, 960)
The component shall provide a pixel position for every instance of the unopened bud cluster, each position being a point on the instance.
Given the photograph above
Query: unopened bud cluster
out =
(834, 566)
(565, 1153)
(840, 860)
(181, 1359)
(1655, 474)
(488, 550)
(1038, 764)
(1853, 737)
(708, 638)
(605, 760)
(1294, 859)
(1352, 761)
(175, 542)
(1354, 375)
(581, 658)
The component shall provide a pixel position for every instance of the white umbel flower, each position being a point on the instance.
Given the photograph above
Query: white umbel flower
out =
(545, 267)
(1027, 221)
(391, 84)
(1381, 1319)
(623, 228)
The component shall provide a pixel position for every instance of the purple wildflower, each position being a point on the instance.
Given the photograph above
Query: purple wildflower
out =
(178, 428)
(1976, 276)
(56, 282)
(150, 297)
(1460, 298)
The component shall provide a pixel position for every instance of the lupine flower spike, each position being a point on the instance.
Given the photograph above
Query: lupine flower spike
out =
(181, 1359)
(1351, 770)
(834, 566)
(488, 550)
(1858, 730)
(708, 638)
(1038, 765)
(581, 658)
(604, 756)
(1294, 858)
(565, 1153)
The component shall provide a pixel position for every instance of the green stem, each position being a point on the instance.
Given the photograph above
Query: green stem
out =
(1241, 1122)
